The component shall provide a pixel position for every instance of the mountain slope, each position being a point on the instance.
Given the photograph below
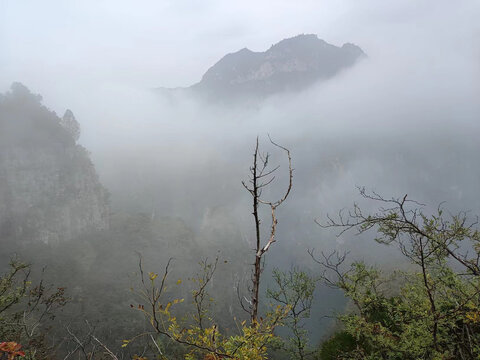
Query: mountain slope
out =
(290, 65)
(49, 189)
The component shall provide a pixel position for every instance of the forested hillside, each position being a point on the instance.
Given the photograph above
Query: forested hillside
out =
(49, 189)
(211, 180)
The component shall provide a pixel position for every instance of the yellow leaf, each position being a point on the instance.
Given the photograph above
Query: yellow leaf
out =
(152, 275)
(179, 281)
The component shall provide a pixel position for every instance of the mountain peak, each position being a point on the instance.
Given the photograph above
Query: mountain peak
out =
(299, 40)
(290, 65)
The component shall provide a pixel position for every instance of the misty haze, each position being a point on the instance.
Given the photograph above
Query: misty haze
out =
(247, 181)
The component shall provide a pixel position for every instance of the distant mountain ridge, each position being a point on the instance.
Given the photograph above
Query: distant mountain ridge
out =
(291, 65)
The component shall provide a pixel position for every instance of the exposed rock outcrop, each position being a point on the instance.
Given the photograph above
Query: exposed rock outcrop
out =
(49, 189)
(290, 65)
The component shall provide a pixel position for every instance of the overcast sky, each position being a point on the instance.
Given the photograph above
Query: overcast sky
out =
(101, 57)
(54, 46)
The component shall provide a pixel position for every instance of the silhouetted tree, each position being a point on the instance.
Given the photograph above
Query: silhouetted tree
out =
(260, 177)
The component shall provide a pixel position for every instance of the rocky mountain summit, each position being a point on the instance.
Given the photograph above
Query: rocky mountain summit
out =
(49, 189)
(290, 65)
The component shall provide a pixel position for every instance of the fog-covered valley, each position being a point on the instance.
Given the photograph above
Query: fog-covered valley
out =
(158, 134)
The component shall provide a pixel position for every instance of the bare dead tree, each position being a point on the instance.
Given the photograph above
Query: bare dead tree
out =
(331, 263)
(261, 176)
(82, 344)
(85, 346)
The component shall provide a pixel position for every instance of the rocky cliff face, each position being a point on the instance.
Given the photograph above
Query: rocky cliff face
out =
(49, 190)
(290, 65)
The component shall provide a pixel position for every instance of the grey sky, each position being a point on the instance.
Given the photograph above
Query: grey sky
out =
(100, 57)
(56, 46)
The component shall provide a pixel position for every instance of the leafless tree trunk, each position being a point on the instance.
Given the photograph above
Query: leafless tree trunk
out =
(261, 177)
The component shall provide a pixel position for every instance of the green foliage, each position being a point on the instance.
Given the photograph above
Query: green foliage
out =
(430, 312)
(23, 119)
(200, 340)
(13, 288)
(340, 343)
(90, 264)
(295, 289)
(26, 310)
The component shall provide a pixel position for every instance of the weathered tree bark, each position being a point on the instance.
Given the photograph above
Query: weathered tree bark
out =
(260, 178)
